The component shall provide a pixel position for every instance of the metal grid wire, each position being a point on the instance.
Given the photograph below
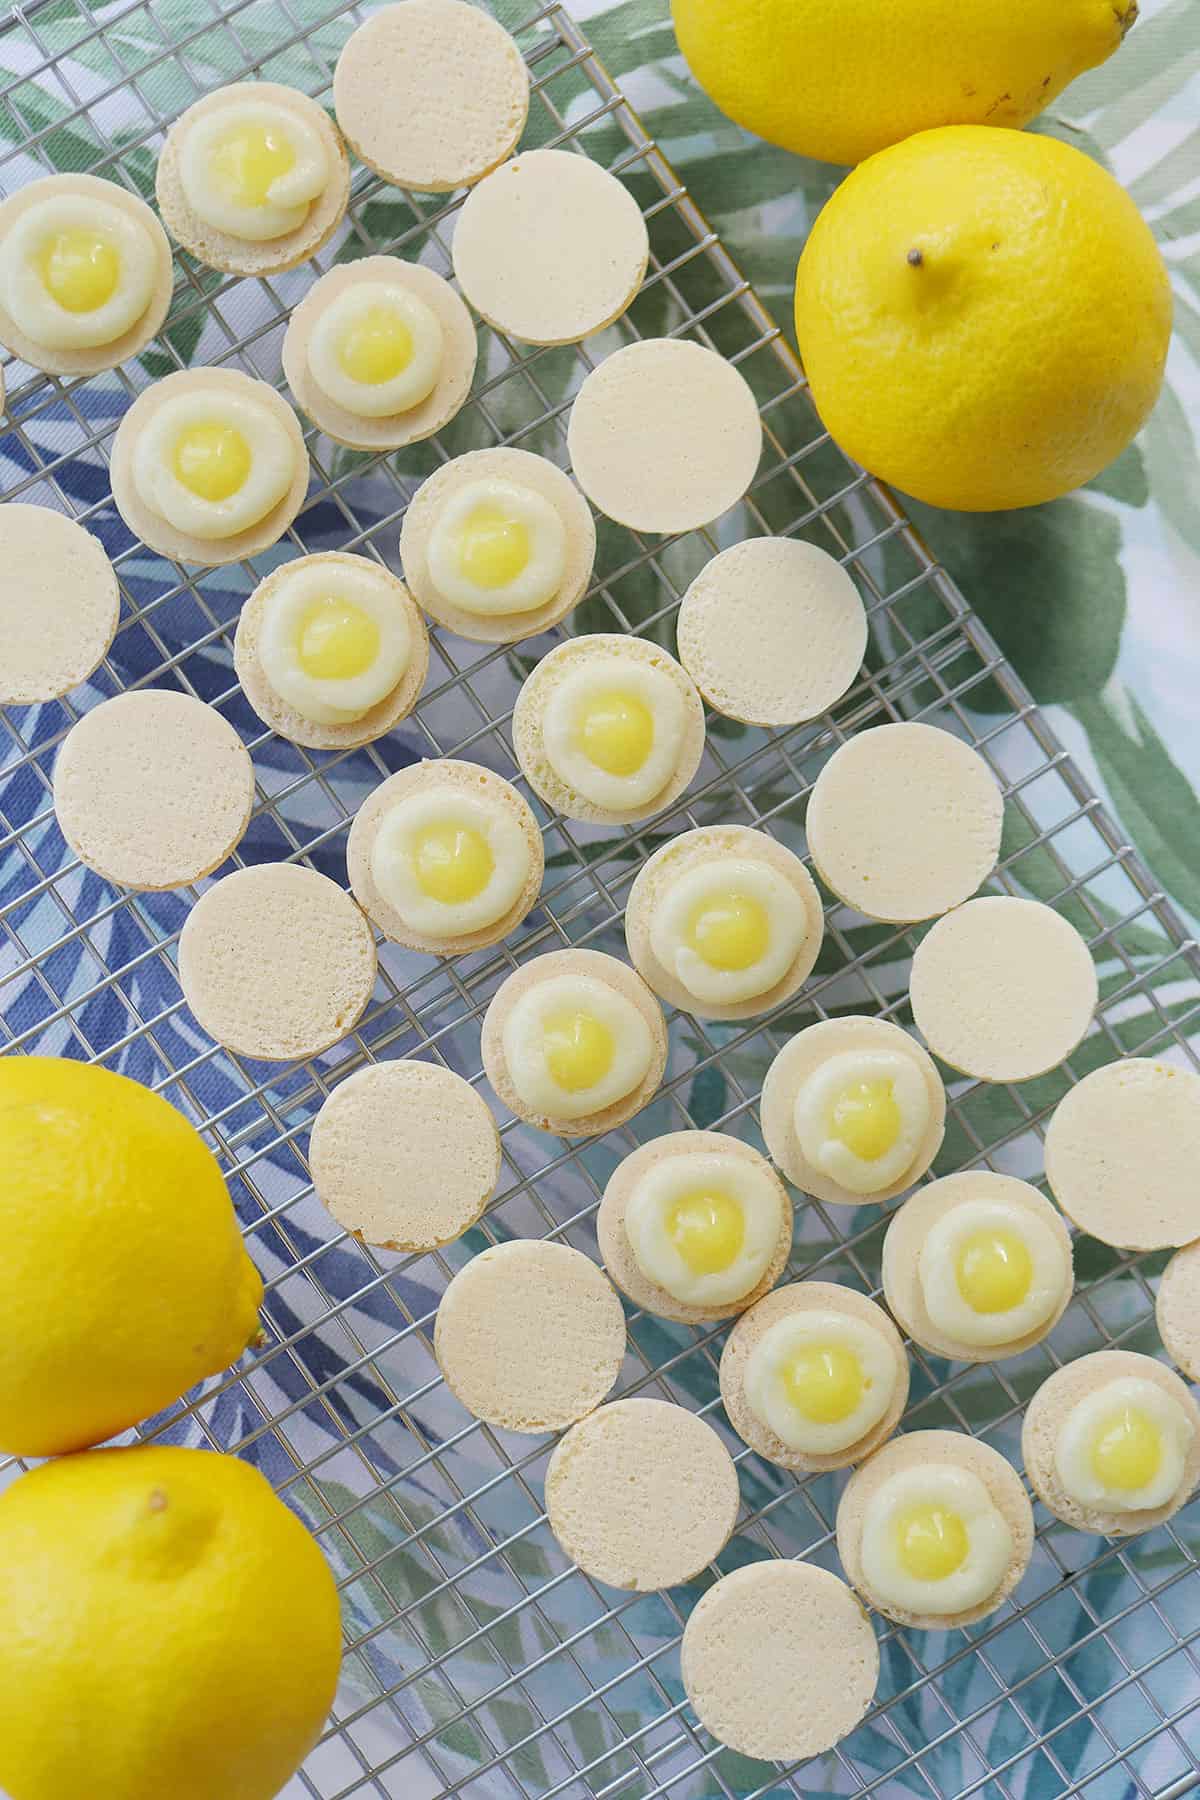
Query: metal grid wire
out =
(479, 1662)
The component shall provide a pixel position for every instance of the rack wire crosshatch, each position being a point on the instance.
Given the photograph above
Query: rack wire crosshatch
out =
(479, 1662)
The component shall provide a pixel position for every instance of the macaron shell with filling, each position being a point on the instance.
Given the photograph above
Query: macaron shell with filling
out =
(933, 1449)
(617, 1251)
(594, 965)
(1047, 1413)
(693, 849)
(907, 1231)
(799, 1059)
(796, 1298)
(275, 712)
(461, 777)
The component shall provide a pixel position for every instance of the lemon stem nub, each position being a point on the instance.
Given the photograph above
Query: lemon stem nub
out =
(914, 259)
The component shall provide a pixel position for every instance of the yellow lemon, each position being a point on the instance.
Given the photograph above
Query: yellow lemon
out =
(841, 80)
(983, 317)
(124, 1279)
(168, 1630)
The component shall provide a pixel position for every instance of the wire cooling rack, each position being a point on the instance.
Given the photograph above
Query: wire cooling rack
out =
(479, 1662)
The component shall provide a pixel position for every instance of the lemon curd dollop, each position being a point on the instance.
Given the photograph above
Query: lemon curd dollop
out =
(1127, 1450)
(493, 546)
(248, 159)
(824, 1382)
(707, 1228)
(376, 346)
(931, 1542)
(579, 1049)
(453, 862)
(80, 267)
(730, 930)
(865, 1118)
(212, 461)
(337, 640)
(994, 1270)
(615, 731)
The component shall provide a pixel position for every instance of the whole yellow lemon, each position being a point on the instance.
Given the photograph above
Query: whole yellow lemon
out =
(983, 317)
(168, 1630)
(123, 1279)
(840, 79)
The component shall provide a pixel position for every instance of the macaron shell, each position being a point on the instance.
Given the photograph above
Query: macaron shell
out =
(523, 469)
(1177, 1309)
(405, 1155)
(275, 712)
(550, 247)
(904, 822)
(937, 1449)
(530, 1335)
(642, 1495)
(467, 778)
(59, 603)
(240, 256)
(530, 709)
(431, 94)
(450, 391)
(694, 848)
(276, 962)
(779, 1660)
(617, 1251)
(1003, 989)
(154, 530)
(907, 1231)
(772, 631)
(1047, 1413)
(801, 1057)
(799, 1297)
(664, 435)
(153, 789)
(595, 965)
(100, 357)
(1122, 1154)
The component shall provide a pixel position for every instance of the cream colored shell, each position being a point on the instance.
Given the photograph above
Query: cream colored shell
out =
(772, 631)
(459, 350)
(275, 712)
(1122, 1154)
(800, 1058)
(530, 1336)
(1177, 1309)
(785, 1302)
(1003, 989)
(664, 435)
(276, 962)
(904, 822)
(405, 1155)
(220, 249)
(779, 1660)
(911, 1224)
(554, 668)
(693, 849)
(469, 778)
(523, 469)
(642, 1495)
(59, 603)
(617, 1251)
(1047, 1413)
(153, 789)
(431, 94)
(597, 966)
(550, 247)
(103, 356)
(150, 526)
(936, 1449)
